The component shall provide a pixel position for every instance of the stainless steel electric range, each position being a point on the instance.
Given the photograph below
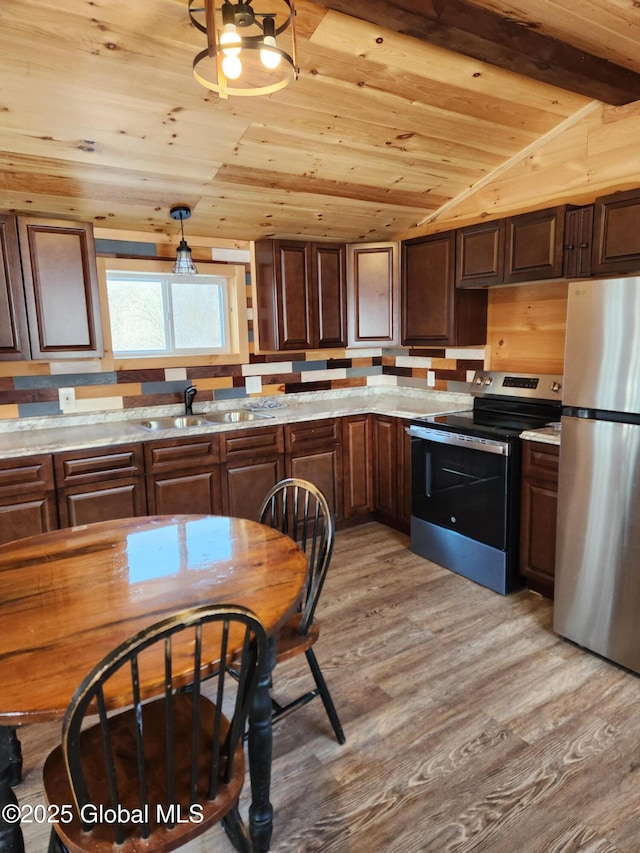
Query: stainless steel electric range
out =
(465, 476)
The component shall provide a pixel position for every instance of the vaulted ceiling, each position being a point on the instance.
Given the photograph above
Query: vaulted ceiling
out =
(394, 115)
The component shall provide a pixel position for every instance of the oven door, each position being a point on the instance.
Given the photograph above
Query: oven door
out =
(459, 482)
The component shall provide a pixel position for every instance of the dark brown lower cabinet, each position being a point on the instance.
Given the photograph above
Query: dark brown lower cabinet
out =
(253, 461)
(392, 472)
(27, 497)
(100, 484)
(313, 452)
(183, 476)
(539, 510)
(357, 455)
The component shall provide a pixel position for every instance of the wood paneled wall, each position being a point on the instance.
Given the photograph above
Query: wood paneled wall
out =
(526, 327)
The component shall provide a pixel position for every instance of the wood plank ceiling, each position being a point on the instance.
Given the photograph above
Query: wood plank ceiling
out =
(101, 118)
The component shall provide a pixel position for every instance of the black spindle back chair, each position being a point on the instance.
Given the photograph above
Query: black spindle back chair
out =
(162, 771)
(299, 509)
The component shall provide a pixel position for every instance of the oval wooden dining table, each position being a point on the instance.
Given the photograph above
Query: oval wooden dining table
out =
(67, 598)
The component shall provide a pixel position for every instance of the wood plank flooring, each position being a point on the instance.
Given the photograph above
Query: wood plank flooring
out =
(470, 725)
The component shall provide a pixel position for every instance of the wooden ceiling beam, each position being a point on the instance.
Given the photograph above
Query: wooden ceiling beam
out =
(505, 42)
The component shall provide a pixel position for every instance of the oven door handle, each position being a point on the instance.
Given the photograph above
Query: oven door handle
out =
(427, 474)
(471, 442)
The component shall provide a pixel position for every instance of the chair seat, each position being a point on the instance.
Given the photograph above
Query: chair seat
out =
(122, 728)
(290, 642)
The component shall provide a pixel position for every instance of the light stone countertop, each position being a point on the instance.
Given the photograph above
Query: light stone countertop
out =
(27, 436)
(546, 435)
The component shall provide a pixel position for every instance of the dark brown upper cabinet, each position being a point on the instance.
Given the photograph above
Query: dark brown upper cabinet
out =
(329, 290)
(49, 304)
(480, 254)
(301, 291)
(616, 234)
(578, 238)
(14, 334)
(373, 282)
(534, 245)
(434, 311)
(60, 288)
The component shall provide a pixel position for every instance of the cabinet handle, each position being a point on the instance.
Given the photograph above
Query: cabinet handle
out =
(569, 247)
(584, 245)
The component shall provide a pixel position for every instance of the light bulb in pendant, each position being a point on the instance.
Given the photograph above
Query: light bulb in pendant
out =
(232, 67)
(269, 58)
(230, 41)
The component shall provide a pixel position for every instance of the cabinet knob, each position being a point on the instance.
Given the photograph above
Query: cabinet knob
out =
(584, 245)
(569, 247)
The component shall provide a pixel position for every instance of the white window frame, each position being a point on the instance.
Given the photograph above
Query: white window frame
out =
(237, 315)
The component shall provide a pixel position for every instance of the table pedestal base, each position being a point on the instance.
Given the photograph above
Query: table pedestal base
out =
(11, 840)
(260, 744)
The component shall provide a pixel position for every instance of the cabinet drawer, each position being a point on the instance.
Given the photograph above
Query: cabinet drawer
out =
(174, 454)
(540, 461)
(101, 463)
(250, 443)
(26, 474)
(311, 434)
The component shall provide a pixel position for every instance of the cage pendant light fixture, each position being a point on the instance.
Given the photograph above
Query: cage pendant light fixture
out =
(184, 263)
(251, 46)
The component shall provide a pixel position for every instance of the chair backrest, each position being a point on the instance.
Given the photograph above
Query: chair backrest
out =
(175, 653)
(300, 510)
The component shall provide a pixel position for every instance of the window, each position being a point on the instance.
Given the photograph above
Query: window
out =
(158, 319)
(154, 315)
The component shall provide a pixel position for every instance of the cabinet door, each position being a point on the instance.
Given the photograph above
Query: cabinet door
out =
(330, 294)
(245, 485)
(539, 507)
(14, 334)
(385, 450)
(323, 468)
(119, 498)
(373, 294)
(61, 288)
(534, 245)
(357, 460)
(295, 301)
(27, 515)
(428, 290)
(578, 236)
(616, 233)
(197, 491)
(480, 254)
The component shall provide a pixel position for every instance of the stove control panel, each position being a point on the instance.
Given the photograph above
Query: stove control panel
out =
(526, 385)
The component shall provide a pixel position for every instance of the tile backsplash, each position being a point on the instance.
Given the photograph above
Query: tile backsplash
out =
(28, 394)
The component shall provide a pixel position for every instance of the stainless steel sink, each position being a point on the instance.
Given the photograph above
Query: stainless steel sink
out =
(178, 422)
(186, 421)
(234, 416)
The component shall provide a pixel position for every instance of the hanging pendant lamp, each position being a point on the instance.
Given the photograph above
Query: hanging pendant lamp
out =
(184, 263)
(246, 41)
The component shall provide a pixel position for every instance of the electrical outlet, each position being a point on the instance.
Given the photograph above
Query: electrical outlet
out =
(67, 397)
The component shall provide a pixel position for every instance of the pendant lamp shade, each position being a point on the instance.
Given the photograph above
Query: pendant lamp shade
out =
(184, 262)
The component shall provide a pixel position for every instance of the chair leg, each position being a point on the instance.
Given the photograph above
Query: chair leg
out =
(237, 831)
(323, 690)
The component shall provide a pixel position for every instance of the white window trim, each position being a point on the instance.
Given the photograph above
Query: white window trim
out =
(238, 323)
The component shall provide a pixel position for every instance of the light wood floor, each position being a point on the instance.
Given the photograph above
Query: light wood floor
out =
(470, 725)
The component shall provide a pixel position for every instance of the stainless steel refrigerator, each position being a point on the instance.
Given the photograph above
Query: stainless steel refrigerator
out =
(597, 591)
